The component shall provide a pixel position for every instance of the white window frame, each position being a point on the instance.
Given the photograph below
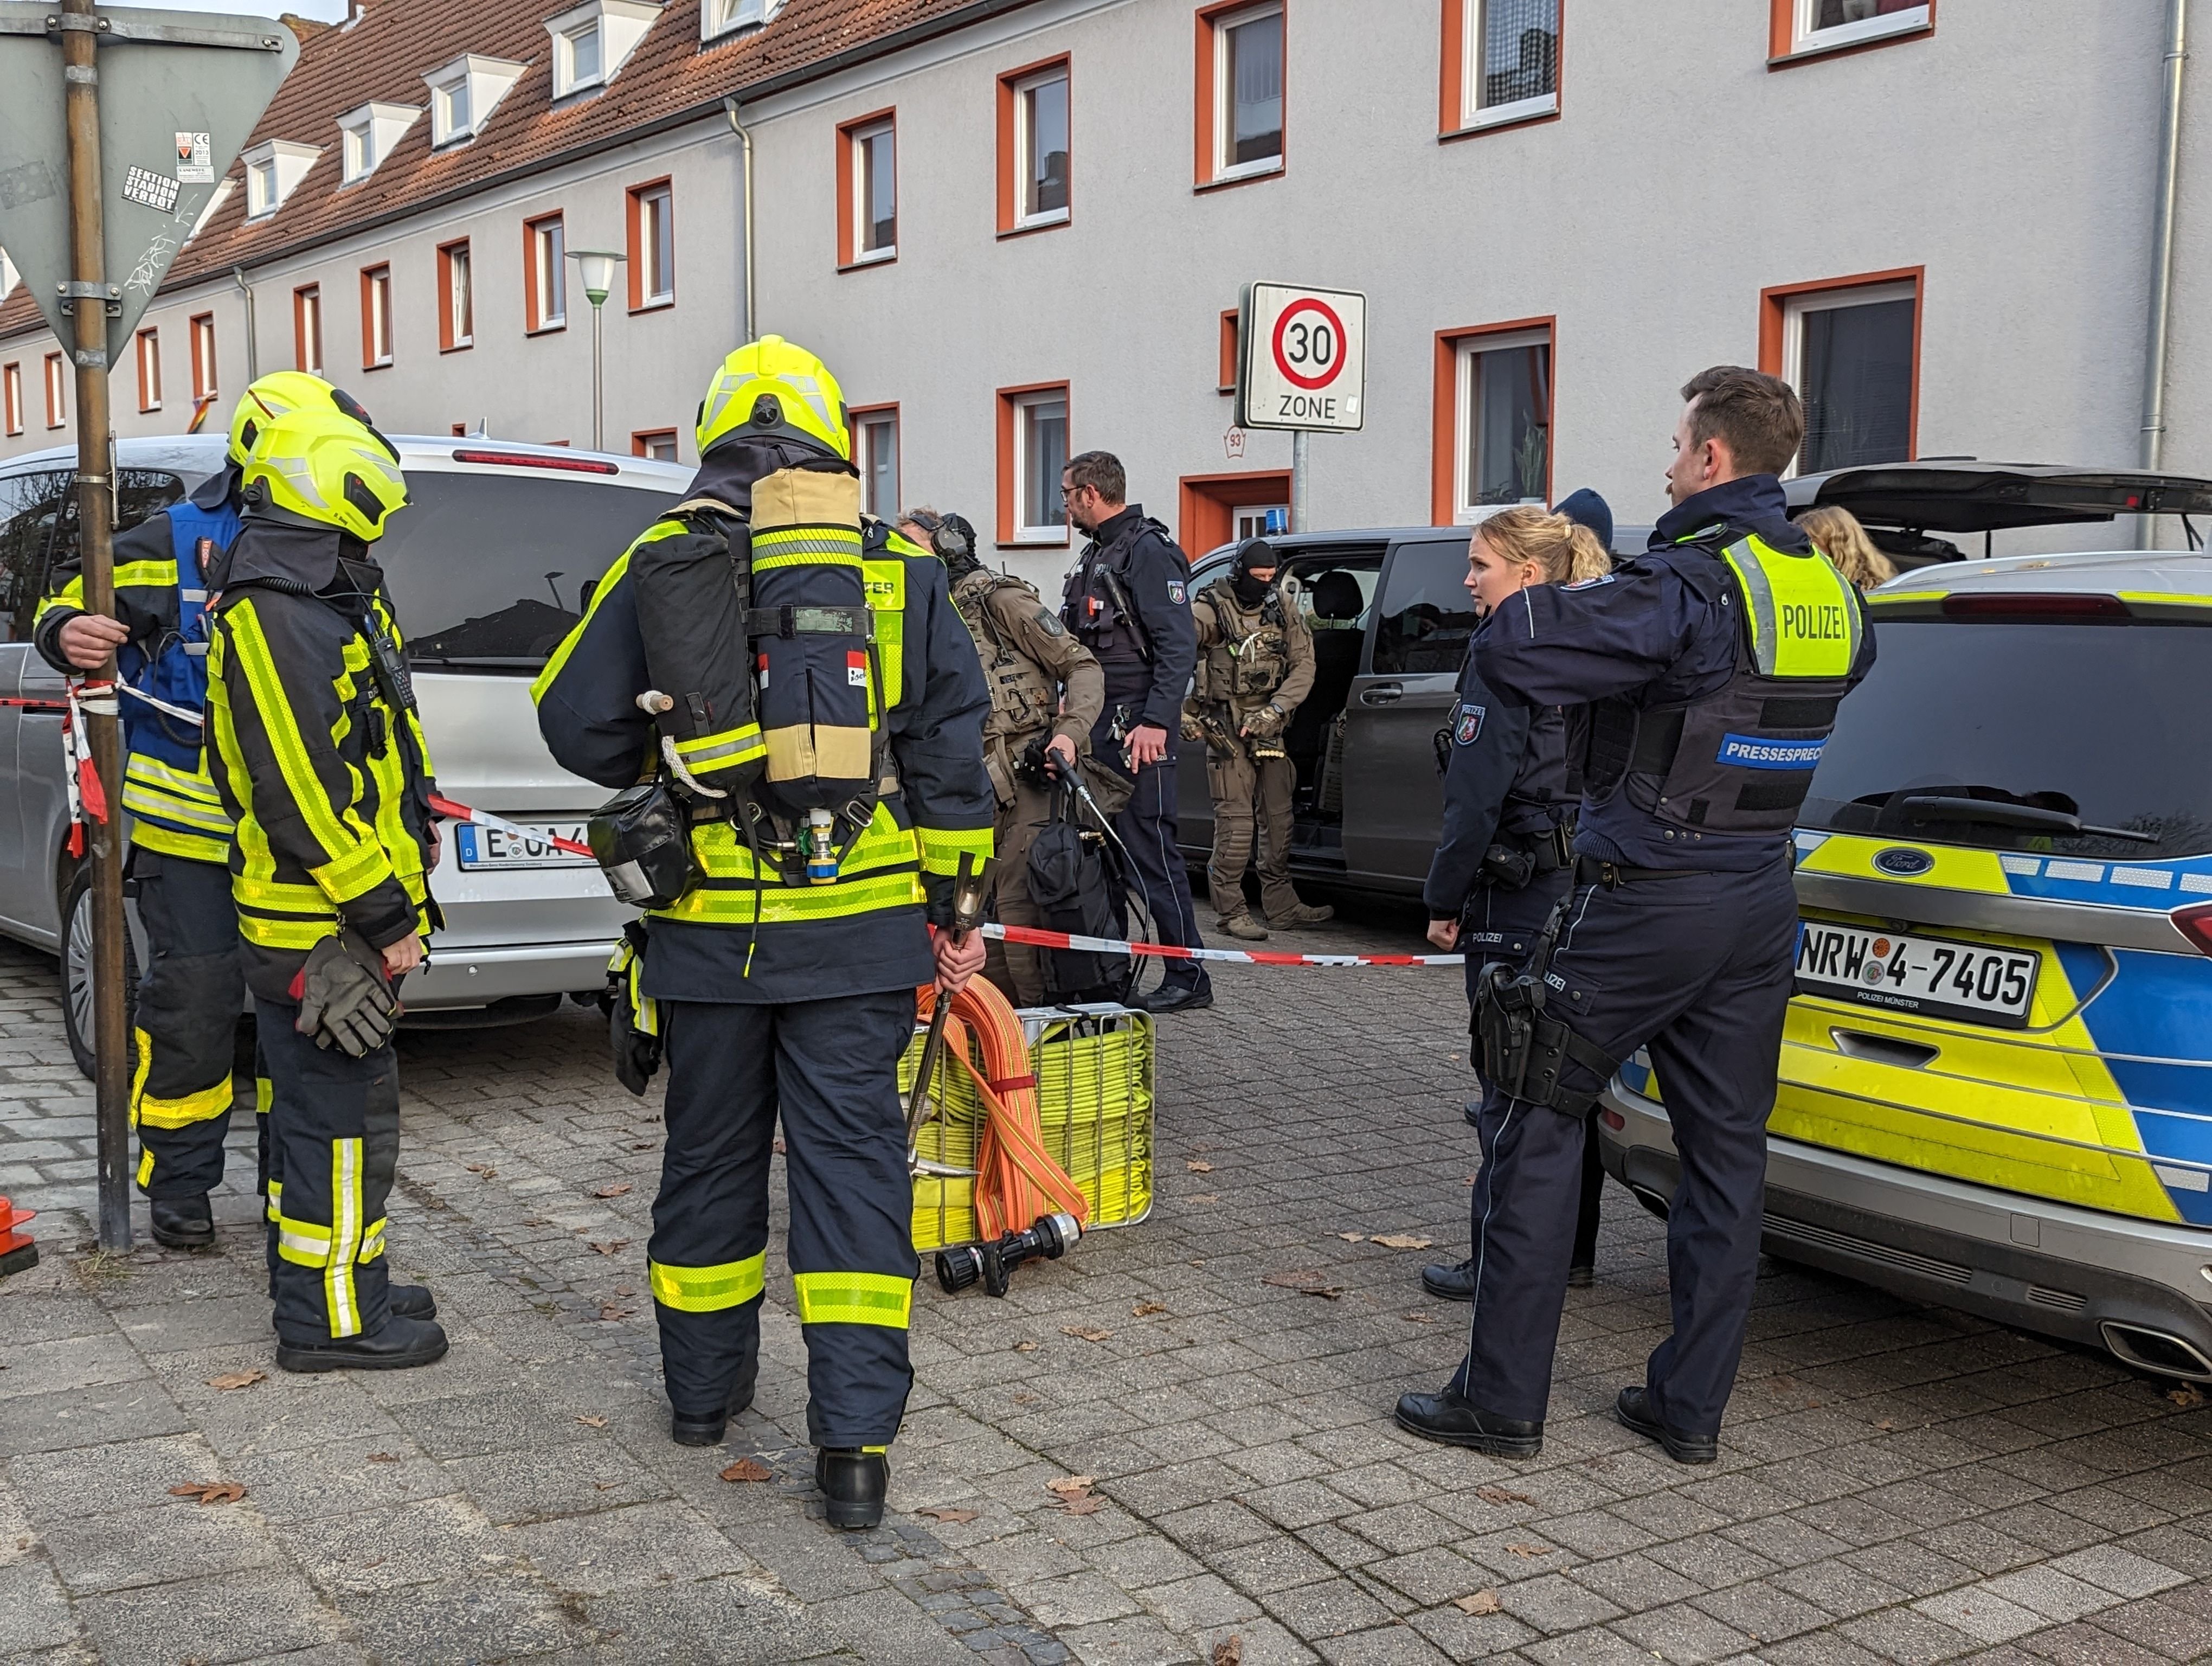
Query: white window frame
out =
(1024, 159)
(1027, 531)
(380, 316)
(148, 341)
(457, 297)
(867, 426)
(274, 169)
(465, 93)
(567, 78)
(8, 274)
(1224, 96)
(857, 139)
(11, 398)
(308, 327)
(656, 216)
(1464, 512)
(56, 391)
(719, 17)
(1804, 38)
(369, 135)
(1253, 516)
(548, 274)
(1474, 114)
(1794, 309)
(207, 380)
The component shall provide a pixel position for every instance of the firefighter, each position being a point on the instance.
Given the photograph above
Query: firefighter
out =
(1255, 665)
(188, 999)
(321, 766)
(1045, 685)
(827, 757)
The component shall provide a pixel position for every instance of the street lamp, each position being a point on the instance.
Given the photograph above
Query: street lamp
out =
(596, 267)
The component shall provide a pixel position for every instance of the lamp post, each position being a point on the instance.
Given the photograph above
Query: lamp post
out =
(596, 267)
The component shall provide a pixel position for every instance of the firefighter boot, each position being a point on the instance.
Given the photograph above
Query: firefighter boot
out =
(183, 1223)
(707, 1430)
(854, 1483)
(398, 1345)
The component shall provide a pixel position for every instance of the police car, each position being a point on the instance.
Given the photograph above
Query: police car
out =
(1996, 1085)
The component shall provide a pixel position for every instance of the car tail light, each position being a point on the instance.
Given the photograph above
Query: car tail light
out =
(2195, 923)
(523, 460)
(2034, 607)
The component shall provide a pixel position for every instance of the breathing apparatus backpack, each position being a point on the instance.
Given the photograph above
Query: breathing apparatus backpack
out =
(767, 694)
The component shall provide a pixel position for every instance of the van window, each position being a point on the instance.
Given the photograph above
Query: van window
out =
(38, 529)
(1427, 614)
(1972, 708)
(488, 571)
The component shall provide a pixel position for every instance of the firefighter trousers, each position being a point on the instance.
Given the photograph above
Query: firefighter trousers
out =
(1251, 796)
(190, 999)
(830, 1069)
(333, 1146)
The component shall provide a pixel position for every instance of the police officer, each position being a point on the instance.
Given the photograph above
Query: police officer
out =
(1504, 860)
(783, 972)
(192, 990)
(1045, 685)
(323, 771)
(1127, 600)
(1713, 667)
(1256, 666)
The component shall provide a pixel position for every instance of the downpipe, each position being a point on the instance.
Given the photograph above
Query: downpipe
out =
(731, 110)
(2163, 238)
(252, 332)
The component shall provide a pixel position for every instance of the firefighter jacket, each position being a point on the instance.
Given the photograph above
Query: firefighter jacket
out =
(746, 933)
(319, 758)
(161, 576)
(1029, 656)
(1251, 658)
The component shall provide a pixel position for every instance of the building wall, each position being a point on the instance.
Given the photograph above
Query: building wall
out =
(518, 385)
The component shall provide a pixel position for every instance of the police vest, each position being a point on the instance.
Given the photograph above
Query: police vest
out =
(166, 786)
(1098, 607)
(1245, 664)
(1741, 760)
(1025, 699)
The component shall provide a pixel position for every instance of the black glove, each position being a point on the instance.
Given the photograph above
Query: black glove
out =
(345, 1001)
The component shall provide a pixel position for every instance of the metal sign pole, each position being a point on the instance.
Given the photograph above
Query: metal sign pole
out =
(1301, 462)
(88, 291)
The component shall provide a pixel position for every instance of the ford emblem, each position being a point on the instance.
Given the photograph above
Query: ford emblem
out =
(1903, 862)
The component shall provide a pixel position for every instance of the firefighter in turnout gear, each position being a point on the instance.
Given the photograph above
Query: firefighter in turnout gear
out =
(817, 729)
(193, 991)
(1044, 684)
(321, 767)
(1255, 664)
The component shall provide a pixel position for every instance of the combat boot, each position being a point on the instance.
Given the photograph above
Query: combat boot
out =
(854, 1482)
(1305, 914)
(398, 1345)
(1240, 924)
(183, 1223)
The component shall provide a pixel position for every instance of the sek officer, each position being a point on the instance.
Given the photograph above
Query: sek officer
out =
(781, 972)
(1712, 666)
(1127, 600)
(1255, 666)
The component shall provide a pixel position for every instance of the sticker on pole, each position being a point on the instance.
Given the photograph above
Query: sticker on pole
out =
(1303, 359)
(195, 159)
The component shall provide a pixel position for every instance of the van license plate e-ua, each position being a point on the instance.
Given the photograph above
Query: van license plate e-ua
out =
(1932, 976)
(498, 846)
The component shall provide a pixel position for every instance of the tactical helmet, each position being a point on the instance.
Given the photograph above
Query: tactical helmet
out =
(282, 391)
(773, 389)
(327, 468)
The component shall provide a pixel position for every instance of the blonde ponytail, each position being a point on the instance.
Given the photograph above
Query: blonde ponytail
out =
(1564, 550)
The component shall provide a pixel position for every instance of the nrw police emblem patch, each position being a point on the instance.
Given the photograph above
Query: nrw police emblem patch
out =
(1468, 730)
(1176, 592)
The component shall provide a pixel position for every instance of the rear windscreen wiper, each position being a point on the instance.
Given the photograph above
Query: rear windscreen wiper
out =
(2028, 816)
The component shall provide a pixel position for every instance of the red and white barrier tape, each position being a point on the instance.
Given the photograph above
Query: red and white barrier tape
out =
(1044, 939)
(462, 813)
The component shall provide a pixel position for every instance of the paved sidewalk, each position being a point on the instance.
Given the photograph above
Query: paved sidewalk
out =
(1896, 1483)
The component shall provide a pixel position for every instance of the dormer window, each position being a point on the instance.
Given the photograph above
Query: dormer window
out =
(214, 202)
(593, 41)
(7, 274)
(719, 17)
(369, 135)
(465, 93)
(273, 172)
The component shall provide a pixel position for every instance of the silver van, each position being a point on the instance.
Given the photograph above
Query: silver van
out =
(489, 566)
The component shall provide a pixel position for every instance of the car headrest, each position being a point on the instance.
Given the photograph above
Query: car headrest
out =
(1337, 596)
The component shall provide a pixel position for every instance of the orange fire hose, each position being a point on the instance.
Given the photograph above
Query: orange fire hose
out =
(1017, 1178)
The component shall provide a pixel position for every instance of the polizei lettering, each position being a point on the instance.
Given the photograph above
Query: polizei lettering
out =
(1813, 622)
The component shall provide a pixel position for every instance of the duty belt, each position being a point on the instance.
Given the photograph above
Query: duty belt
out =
(1596, 871)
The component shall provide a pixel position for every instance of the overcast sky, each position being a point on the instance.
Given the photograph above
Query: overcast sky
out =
(328, 11)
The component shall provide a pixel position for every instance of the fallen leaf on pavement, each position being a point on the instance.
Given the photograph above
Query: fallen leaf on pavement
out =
(748, 1469)
(952, 1516)
(1502, 1495)
(1068, 1486)
(1886, 1425)
(609, 1310)
(2187, 1393)
(624, 1290)
(1085, 1505)
(382, 1457)
(615, 1190)
(1401, 1241)
(1525, 1552)
(1353, 1237)
(1482, 1601)
(592, 1422)
(642, 1145)
(607, 1246)
(1230, 1652)
(1145, 1309)
(1087, 1333)
(1198, 1165)
(209, 1492)
(1025, 1398)
(1306, 1281)
(237, 1379)
(485, 1170)
(1418, 1318)
(1025, 1345)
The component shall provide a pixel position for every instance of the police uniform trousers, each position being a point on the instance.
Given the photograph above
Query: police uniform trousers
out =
(333, 1127)
(1697, 968)
(1147, 827)
(1502, 927)
(190, 1000)
(1017, 969)
(831, 1068)
(1251, 796)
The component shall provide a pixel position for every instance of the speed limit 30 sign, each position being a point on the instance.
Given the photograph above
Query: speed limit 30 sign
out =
(1303, 359)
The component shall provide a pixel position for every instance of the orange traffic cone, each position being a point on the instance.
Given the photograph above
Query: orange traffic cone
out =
(18, 1254)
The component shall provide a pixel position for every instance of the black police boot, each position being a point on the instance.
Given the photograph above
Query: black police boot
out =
(183, 1223)
(707, 1428)
(1456, 1420)
(1174, 998)
(854, 1483)
(1633, 1408)
(399, 1346)
(413, 1301)
(1450, 1284)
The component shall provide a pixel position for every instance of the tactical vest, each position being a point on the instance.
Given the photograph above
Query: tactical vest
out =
(1098, 607)
(1742, 760)
(1025, 699)
(1243, 669)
